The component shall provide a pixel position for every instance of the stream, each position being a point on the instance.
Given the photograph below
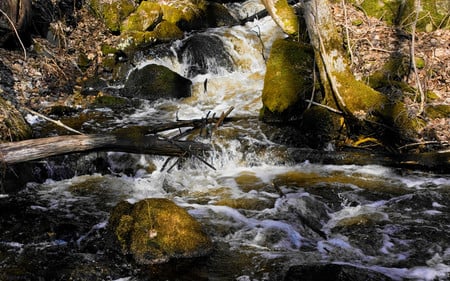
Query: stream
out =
(269, 217)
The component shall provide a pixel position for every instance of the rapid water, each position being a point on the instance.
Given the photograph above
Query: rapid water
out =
(264, 213)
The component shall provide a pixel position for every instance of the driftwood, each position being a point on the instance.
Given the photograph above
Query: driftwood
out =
(22, 151)
(141, 140)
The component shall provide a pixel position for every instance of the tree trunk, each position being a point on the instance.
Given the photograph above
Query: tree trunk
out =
(32, 149)
(359, 102)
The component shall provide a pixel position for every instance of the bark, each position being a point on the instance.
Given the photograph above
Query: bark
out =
(32, 149)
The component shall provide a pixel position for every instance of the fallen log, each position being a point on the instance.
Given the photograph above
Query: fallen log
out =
(33, 149)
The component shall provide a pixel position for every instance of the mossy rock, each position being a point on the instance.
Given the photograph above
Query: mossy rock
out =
(438, 111)
(156, 230)
(13, 126)
(284, 15)
(288, 78)
(131, 40)
(166, 31)
(186, 14)
(144, 18)
(433, 13)
(113, 12)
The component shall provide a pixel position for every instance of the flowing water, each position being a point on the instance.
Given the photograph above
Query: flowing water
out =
(264, 213)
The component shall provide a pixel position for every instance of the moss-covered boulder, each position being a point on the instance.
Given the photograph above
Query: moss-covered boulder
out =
(288, 80)
(156, 230)
(433, 14)
(153, 81)
(186, 14)
(13, 126)
(113, 12)
(146, 17)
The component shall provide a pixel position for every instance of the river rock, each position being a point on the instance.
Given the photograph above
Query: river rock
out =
(113, 12)
(153, 81)
(333, 272)
(156, 230)
(204, 54)
(288, 80)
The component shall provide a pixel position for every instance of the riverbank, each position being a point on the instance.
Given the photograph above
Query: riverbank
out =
(55, 68)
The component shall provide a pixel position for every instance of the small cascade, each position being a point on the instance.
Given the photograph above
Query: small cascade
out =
(268, 218)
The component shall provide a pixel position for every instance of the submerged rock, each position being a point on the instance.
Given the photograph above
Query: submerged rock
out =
(156, 230)
(155, 81)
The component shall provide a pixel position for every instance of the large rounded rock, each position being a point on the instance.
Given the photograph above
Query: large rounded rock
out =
(154, 82)
(288, 80)
(155, 230)
(146, 17)
(204, 54)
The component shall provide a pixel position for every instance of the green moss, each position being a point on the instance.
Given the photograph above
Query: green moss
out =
(83, 62)
(357, 95)
(357, 22)
(286, 18)
(113, 12)
(420, 62)
(432, 15)
(167, 31)
(156, 229)
(183, 11)
(146, 16)
(288, 76)
(382, 9)
(13, 126)
(438, 111)
(431, 95)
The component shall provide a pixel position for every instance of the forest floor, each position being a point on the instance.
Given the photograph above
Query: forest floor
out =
(50, 75)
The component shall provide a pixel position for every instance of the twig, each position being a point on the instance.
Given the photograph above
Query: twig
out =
(57, 122)
(413, 61)
(17, 34)
(421, 143)
(347, 35)
(223, 116)
(314, 85)
(325, 106)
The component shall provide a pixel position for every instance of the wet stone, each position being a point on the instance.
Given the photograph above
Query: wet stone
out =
(156, 230)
